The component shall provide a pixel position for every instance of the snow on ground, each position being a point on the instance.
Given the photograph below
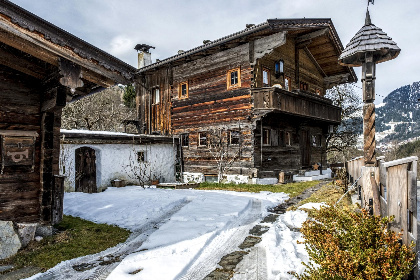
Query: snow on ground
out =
(284, 254)
(188, 242)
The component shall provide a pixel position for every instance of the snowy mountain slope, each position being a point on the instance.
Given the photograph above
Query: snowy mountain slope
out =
(398, 117)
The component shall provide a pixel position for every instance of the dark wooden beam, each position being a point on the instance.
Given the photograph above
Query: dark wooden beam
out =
(312, 35)
(21, 64)
(70, 74)
(49, 52)
(315, 62)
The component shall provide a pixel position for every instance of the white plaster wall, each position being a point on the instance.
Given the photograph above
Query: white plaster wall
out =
(113, 162)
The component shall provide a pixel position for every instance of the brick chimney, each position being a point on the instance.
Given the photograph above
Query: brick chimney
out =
(144, 55)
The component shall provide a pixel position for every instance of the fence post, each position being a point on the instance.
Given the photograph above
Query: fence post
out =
(370, 180)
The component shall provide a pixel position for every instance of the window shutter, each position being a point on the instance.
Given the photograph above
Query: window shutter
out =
(274, 137)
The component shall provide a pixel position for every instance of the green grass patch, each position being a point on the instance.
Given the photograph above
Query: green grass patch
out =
(76, 238)
(328, 194)
(292, 189)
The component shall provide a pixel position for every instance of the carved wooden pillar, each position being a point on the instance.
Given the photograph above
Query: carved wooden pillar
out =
(368, 80)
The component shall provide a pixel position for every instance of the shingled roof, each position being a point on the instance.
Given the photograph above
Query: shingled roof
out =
(369, 39)
(295, 27)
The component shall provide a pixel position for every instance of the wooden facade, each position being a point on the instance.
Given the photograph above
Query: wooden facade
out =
(41, 68)
(266, 82)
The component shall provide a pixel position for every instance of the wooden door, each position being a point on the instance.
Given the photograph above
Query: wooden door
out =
(85, 170)
(305, 148)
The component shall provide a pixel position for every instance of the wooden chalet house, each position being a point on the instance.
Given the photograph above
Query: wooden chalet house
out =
(41, 68)
(264, 86)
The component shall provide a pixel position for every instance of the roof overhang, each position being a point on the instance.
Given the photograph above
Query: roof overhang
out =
(317, 36)
(25, 36)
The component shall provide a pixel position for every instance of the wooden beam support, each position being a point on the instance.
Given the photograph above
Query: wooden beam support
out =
(312, 58)
(21, 64)
(70, 74)
(312, 35)
(55, 99)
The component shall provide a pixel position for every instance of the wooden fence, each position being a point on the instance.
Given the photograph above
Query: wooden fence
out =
(396, 182)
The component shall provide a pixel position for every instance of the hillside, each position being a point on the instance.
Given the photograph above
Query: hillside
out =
(406, 150)
(397, 118)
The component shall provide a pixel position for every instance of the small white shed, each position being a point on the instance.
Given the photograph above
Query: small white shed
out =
(92, 160)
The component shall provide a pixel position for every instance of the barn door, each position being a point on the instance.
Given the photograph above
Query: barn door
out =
(85, 170)
(305, 148)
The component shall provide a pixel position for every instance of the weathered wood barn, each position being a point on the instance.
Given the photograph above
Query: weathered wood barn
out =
(41, 68)
(263, 87)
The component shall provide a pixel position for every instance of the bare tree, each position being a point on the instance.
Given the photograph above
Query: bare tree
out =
(137, 168)
(224, 147)
(141, 167)
(101, 111)
(342, 141)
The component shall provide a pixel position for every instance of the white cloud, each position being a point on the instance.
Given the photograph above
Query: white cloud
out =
(120, 45)
(117, 26)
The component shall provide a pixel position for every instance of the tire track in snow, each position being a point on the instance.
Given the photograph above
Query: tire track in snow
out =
(222, 242)
(99, 266)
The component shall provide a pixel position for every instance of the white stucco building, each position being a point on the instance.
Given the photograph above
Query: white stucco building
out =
(90, 160)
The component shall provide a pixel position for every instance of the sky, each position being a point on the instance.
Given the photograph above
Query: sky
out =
(116, 26)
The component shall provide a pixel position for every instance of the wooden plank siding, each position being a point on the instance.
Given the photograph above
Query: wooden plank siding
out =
(20, 110)
(211, 105)
(308, 72)
(282, 154)
(296, 103)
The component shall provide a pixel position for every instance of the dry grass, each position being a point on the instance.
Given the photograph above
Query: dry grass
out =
(292, 189)
(328, 194)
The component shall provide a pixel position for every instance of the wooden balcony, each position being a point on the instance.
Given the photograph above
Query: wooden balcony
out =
(300, 104)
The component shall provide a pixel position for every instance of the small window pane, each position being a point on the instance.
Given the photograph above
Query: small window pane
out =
(288, 139)
(279, 67)
(185, 140)
(184, 90)
(287, 83)
(266, 136)
(266, 81)
(234, 77)
(140, 156)
(234, 137)
(202, 139)
(156, 96)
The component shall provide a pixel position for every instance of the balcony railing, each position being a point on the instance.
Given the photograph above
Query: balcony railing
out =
(296, 103)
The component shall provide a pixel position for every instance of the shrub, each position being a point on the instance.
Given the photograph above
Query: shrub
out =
(343, 244)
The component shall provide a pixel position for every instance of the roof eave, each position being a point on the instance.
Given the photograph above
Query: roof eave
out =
(32, 26)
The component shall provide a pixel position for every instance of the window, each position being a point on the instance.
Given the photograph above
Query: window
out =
(235, 137)
(185, 140)
(156, 96)
(279, 68)
(141, 156)
(266, 77)
(183, 90)
(202, 139)
(288, 83)
(316, 140)
(266, 136)
(288, 139)
(281, 138)
(233, 78)
(303, 86)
